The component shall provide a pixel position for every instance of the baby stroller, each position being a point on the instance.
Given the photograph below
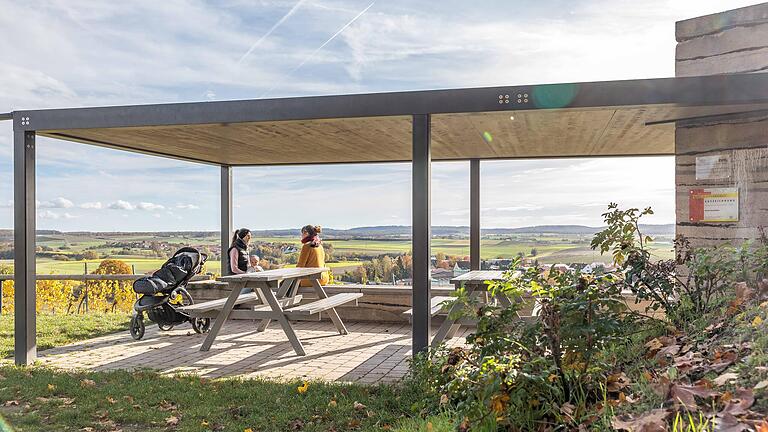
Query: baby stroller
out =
(160, 295)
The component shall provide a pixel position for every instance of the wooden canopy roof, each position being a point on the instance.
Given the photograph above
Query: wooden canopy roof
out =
(615, 118)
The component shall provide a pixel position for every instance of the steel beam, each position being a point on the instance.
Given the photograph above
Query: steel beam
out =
(226, 217)
(474, 214)
(683, 91)
(421, 232)
(25, 345)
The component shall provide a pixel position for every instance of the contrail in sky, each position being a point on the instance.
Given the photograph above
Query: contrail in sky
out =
(309, 57)
(272, 29)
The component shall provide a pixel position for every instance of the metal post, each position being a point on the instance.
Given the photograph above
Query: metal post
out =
(226, 217)
(25, 346)
(421, 232)
(474, 214)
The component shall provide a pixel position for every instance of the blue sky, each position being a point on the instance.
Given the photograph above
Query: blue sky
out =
(68, 53)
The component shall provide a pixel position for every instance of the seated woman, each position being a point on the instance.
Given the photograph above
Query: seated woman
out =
(238, 251)
(312, 253)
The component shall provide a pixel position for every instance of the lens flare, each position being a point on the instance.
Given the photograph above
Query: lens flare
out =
(554, 95)
(487, 136)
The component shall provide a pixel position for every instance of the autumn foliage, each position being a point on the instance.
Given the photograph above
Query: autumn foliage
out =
(57, 296)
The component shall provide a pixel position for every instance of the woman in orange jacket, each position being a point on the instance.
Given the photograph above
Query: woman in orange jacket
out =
(312, 253)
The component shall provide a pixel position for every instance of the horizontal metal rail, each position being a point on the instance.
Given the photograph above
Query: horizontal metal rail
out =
(94, 277)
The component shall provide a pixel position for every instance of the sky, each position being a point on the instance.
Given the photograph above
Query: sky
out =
(72, 53)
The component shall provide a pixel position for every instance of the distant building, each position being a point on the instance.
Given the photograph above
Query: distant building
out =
(458, 270)
(442, 276)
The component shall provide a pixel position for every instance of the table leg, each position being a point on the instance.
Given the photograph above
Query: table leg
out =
(448, 324)
(285, 288)
(223, 315)
(332, 314)
(269, 298)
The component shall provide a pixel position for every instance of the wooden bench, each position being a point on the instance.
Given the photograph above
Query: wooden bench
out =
(435, 306)
(211, 308)
(324, 304)
(218, 304)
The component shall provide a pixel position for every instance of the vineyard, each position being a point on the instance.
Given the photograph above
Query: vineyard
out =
(66, 297)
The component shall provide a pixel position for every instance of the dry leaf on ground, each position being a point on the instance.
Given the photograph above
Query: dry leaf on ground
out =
(652, 421)
(725, 378)
(728, 423)
(740, 403)
(686, 394)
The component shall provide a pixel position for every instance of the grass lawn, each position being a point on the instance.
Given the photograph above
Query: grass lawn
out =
(59, 329)
(39, 398)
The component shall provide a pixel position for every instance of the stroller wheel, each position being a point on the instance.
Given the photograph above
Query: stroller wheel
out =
(201, 325)
(137, 327)
(165, 327)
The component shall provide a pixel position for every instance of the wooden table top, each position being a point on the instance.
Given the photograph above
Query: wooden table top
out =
(276, 274)
(479, 277)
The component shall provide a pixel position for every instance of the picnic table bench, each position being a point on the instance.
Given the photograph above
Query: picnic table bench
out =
(275, 297)
(475, 283)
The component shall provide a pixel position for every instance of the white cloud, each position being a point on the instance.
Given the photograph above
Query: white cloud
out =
(59, 202)
(92, 205)
(121, 205)
(148, 206)
(48, 214)
(187, 206)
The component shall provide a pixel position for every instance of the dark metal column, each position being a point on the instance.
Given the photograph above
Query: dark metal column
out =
(25, 345)
(226, 217)
(421, 208)
(474, 214)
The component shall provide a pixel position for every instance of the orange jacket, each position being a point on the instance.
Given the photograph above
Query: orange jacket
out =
(312, 257)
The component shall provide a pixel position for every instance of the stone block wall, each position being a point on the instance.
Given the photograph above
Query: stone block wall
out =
(734, 41)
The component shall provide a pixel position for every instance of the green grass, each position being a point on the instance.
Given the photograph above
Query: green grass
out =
(60, 329)
(133, 401)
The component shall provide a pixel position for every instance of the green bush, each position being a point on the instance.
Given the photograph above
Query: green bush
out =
(521, 374)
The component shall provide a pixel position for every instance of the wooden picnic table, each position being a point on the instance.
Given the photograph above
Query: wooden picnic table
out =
(274, 298)
(475, 282)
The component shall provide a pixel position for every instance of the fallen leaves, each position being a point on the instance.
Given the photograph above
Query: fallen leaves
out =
(757, 322)
(651, 421)
(87, 383)
(172, 421)
(740, 403)
(617, 382)
(168, 406)
(686, 394)
(302, 388)
(725, 378)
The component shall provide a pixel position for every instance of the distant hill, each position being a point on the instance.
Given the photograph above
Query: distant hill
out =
(383, 231)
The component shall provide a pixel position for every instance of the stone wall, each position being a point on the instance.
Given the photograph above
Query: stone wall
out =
(734, 41)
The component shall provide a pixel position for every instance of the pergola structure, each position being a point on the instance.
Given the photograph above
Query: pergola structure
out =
(616, 118)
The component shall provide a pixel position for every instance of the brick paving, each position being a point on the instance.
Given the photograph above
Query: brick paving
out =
(370, 353)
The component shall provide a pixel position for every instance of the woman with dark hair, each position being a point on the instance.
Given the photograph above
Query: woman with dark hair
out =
(312, 252)
(238, 251)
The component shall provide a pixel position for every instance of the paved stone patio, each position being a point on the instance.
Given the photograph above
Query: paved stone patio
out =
(370, 353)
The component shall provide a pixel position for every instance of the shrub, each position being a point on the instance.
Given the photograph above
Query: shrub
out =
(520, 374)
(688, 285)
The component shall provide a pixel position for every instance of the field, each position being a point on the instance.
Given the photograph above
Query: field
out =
(548, 248)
